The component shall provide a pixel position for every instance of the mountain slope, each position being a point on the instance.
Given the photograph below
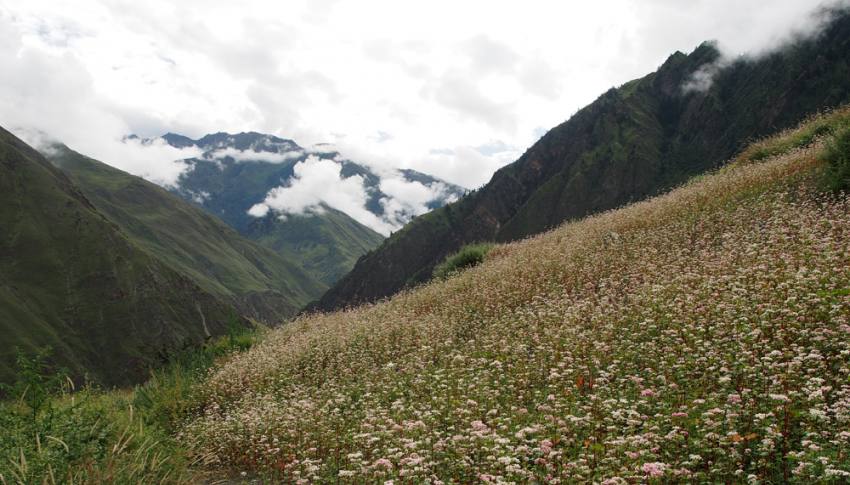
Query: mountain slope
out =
(71, 279)
(261, 283)
(632, 142)
(315, 241)
(237, 171)
(697, 337)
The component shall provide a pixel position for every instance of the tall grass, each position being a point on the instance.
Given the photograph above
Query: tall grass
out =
(53, 434)
(702, 336)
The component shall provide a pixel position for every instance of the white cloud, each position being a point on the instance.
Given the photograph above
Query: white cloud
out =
(50, 93)
(316, 183)
(406, 199)
(436, 75)
(259, 210)
(254, 156)
(702, 79)
(759, 43)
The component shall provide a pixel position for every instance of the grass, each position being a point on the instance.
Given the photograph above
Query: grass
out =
(817, 126)
(54, 434)
(700, 336)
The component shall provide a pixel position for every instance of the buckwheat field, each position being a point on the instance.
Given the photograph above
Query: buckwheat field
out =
(700, 336)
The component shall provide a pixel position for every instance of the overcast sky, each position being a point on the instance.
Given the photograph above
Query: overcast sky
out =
(452, 88)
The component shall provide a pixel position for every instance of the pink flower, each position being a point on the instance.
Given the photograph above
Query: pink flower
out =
(655, 469)
(647, 393)
(383, 462)
(479, 426)
(734, 399)
(679, 415)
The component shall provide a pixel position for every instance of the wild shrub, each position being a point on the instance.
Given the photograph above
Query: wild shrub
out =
(36, 384)
(817, 127)
(467, 257)
(50, 435)
(836, 155)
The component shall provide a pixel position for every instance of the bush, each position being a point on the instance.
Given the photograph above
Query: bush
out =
(468, 256)
(836, 174)
(36, 384)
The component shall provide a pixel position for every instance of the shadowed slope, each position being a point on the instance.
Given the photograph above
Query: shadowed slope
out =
(262, 284)
(71, 279)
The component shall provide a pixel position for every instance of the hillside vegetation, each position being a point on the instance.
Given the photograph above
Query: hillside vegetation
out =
(633, 142)
(262, 284)
(699, 336)
(73, 280)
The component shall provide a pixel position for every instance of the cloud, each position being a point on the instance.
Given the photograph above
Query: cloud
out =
(49, 95)
(406, 199)
(702, 79)
(760, 44)
(323, 149)
(459, 94)
(490, 56)
(436, 75)
(253, 156)
(317, 183)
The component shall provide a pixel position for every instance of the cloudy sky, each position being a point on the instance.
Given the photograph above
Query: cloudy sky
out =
(454, 89)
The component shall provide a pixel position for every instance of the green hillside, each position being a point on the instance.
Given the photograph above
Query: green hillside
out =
(326, 245)
(73, 280)
(633, 142)
(261, 283)
(701, 336)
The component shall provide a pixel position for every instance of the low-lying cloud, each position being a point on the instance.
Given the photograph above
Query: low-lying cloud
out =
(253, 155)
(407, 199)
(317, 184)
(761, 44)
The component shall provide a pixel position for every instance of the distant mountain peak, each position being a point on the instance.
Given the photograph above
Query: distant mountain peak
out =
(312, 205)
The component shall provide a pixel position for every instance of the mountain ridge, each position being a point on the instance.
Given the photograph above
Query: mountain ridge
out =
(632, 142)
(236, 172)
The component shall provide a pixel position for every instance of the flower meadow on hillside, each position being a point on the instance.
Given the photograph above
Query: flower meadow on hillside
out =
(701, 336)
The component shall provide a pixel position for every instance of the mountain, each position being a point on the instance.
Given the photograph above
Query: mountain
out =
(262, 284)
(700, 336)
(72, 279)
(632, 142)
(236, 171)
